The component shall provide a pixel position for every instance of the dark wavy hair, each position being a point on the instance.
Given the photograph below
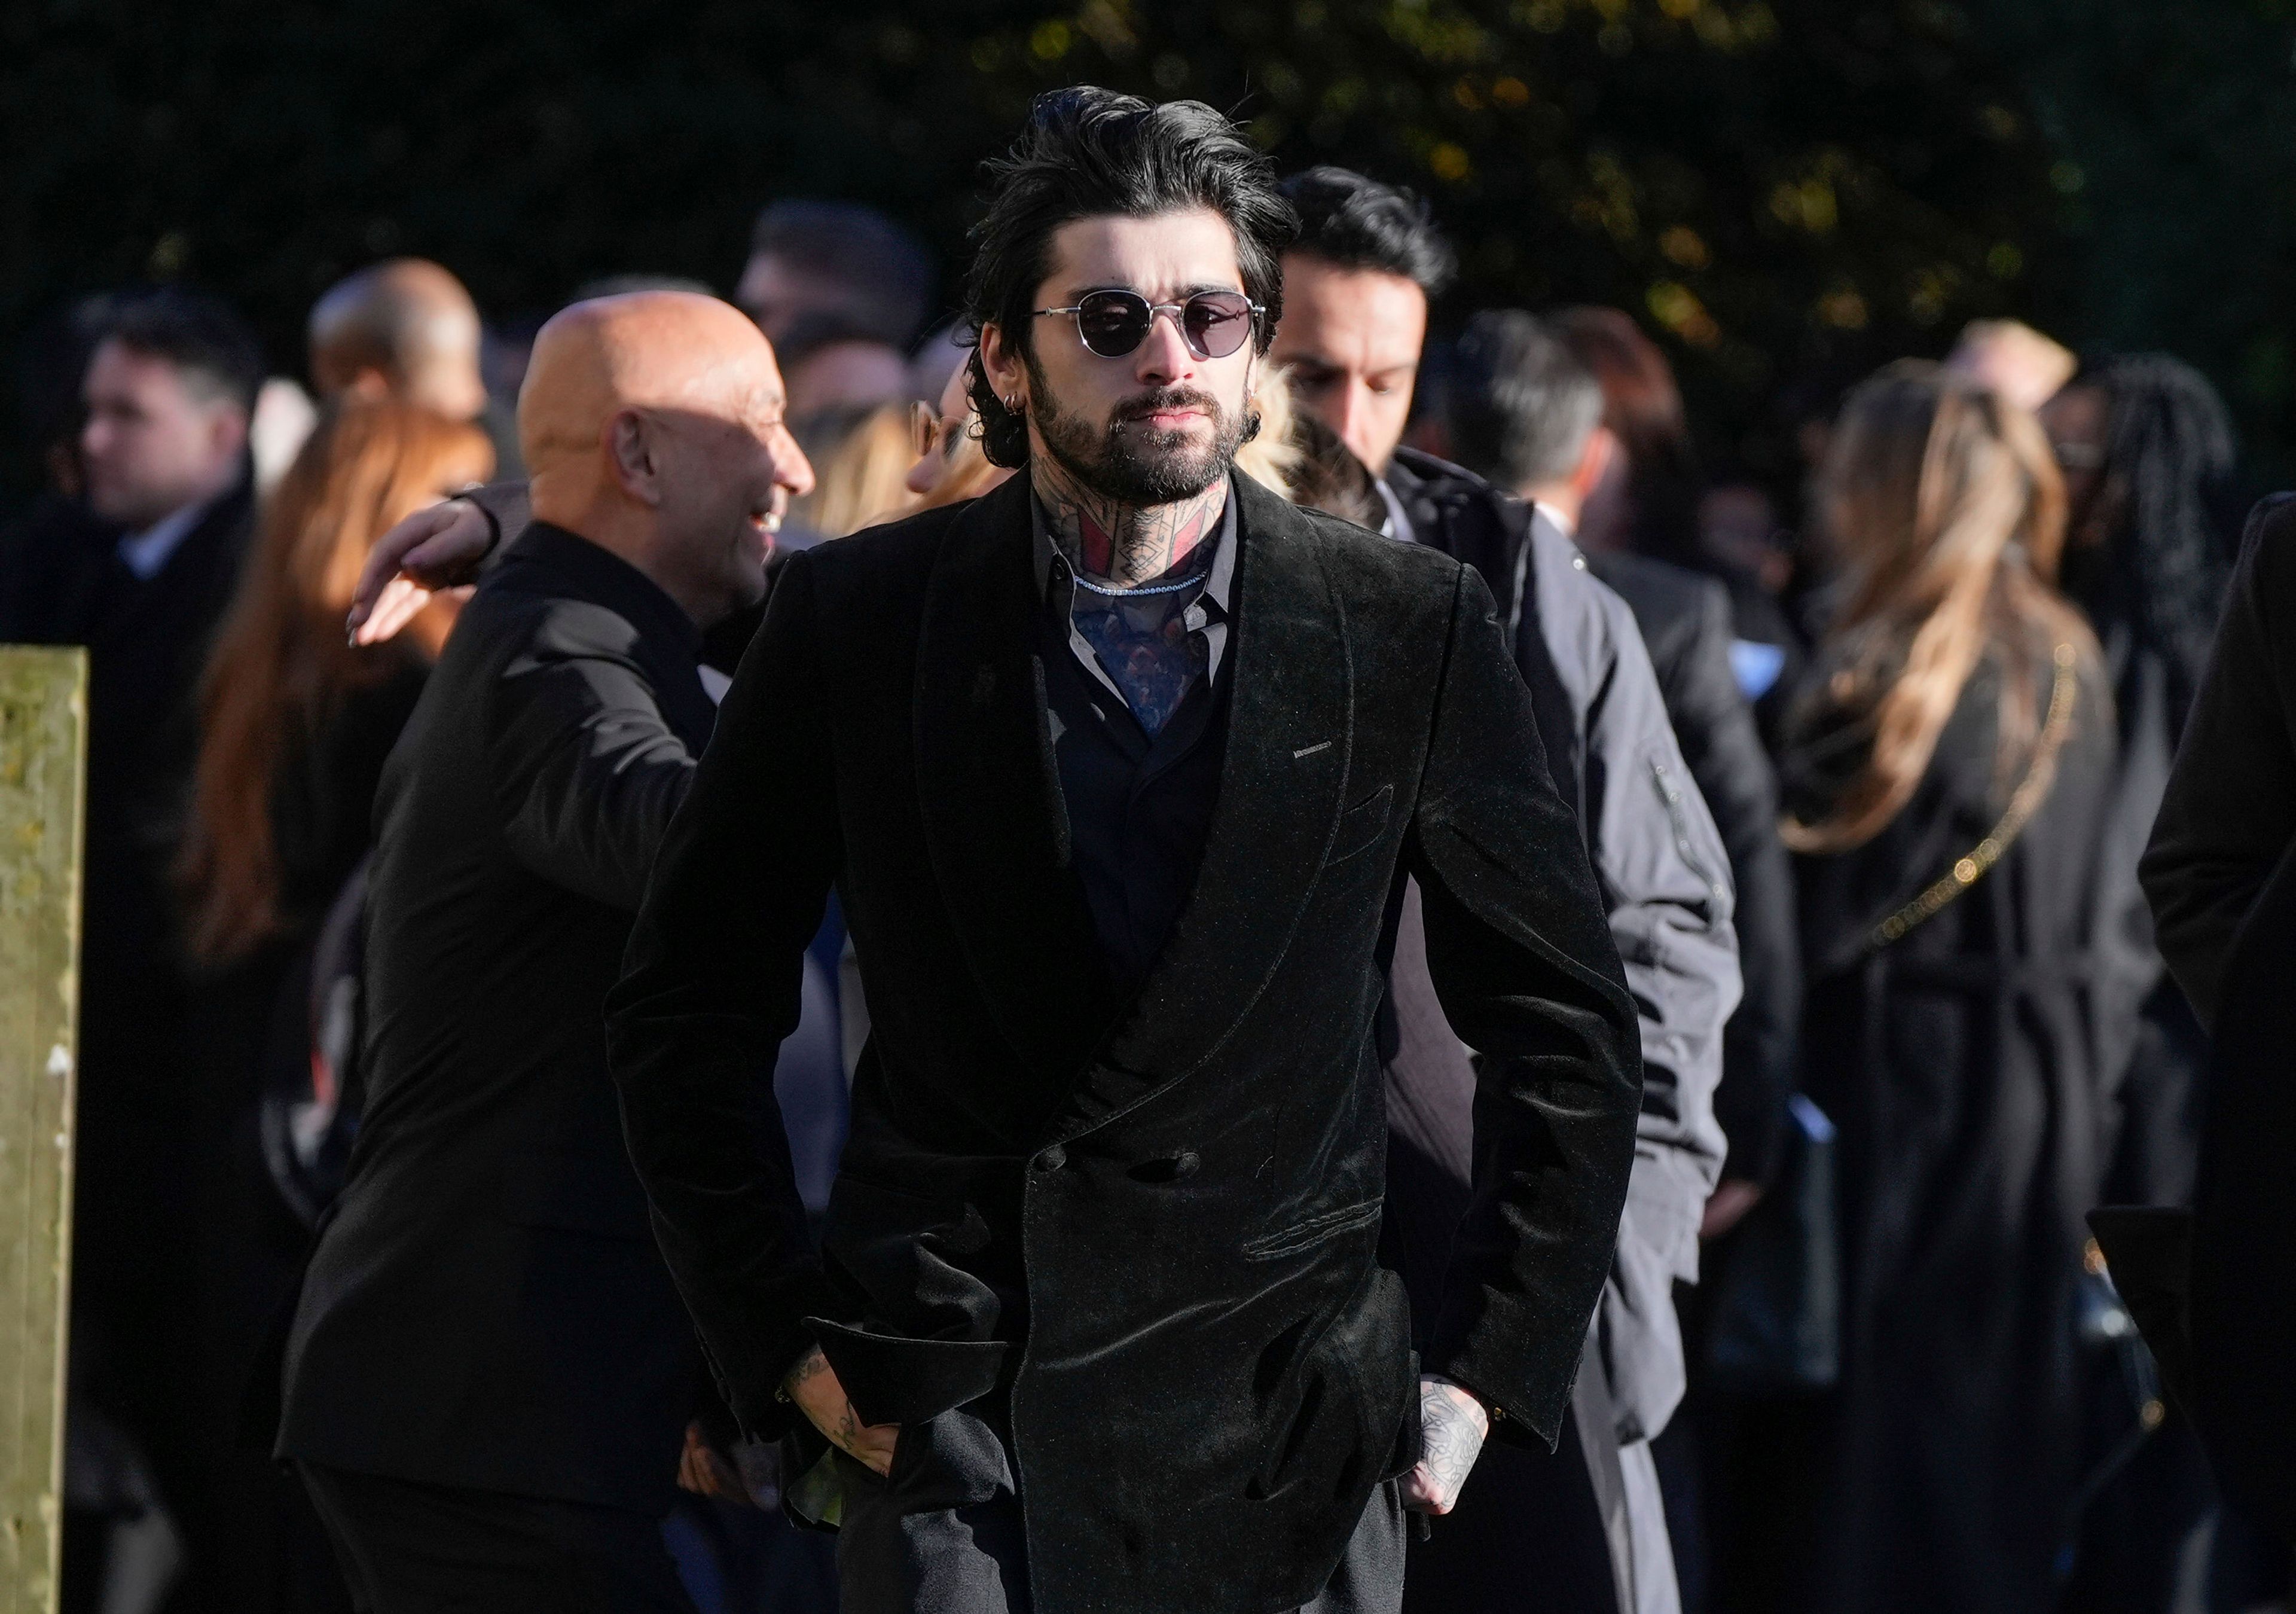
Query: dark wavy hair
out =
(2169, 455)
(1356, 222)
(1087, 152)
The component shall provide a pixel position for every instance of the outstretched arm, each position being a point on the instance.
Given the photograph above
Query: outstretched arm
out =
(711, 986)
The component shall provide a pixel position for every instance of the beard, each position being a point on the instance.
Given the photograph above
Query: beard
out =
(1129, 461)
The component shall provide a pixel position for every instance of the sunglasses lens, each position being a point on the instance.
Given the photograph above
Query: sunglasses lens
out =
(1112, 324)
(1216, 322)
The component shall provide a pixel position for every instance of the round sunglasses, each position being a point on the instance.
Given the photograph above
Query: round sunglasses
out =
(1112, 324)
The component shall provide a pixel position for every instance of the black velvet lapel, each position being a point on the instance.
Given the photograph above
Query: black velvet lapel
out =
(989, 789)
(1291, 735)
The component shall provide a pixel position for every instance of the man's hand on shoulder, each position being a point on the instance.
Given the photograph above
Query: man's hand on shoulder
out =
(813, 1385)
(435, 549)
(1453, 1426)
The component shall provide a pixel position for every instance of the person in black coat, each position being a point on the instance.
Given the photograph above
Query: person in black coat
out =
(1367, 265)
(489, 1376)
(140, 574)
(1117, 771)
(2224, 902)
(1973, 993)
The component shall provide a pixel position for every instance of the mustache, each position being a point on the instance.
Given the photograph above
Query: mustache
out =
(1165, 397)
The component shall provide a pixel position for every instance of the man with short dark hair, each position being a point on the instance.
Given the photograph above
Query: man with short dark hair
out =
(839, 260)
(1594, 1519)
(1117, 771)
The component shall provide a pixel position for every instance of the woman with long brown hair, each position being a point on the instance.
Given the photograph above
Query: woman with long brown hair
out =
(294, 726)
(1966, 890)
(294, 723)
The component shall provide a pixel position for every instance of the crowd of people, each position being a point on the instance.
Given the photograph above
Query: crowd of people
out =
(1135, 971)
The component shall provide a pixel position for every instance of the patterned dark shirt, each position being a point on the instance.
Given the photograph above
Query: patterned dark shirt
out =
(1147, 649)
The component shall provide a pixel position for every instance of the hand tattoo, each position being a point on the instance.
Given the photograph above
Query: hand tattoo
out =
(813, 1366)
(1123, 544)
(1452, 1428)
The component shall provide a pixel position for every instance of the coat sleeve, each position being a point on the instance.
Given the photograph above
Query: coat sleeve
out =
(2230, 809)
(1666, 885)
(1527, 973)
(585, 770)
(711, 984)
(1715, 726)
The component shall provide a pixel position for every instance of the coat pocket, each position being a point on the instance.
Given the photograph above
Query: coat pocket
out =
(1315, 1230)
(1362, 826)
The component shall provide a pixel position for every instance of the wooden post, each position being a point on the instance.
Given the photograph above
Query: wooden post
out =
(42, 774)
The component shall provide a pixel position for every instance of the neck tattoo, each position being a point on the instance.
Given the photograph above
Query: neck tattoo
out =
(1124, 544)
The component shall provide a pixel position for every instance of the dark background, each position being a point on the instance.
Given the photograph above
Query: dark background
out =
(1785, 191)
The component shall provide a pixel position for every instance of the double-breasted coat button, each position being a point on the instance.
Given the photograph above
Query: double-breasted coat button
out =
(1053, 1159)
(1185, 1163)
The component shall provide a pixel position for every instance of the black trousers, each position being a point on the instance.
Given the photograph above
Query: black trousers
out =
(406, 1547)
(944, 1534)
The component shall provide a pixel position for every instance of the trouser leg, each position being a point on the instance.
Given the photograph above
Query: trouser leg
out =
(942, 1534)
(412, 1548)
(1369, 1579)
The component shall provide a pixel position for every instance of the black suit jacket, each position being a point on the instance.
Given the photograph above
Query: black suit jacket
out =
(2220, 874)
(487, 1307)
(1144, 1231)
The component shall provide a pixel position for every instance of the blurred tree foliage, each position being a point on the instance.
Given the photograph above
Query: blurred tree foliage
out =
(1783, 190)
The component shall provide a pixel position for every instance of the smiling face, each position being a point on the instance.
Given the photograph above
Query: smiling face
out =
(728, 468)
(1352, 339)
(654, 424)
(1158, 424)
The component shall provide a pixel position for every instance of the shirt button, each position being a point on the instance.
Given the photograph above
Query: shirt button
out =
(1053, 1159)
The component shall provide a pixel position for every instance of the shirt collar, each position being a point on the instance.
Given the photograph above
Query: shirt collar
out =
(1399, 520)
(147, 551)
(603, 577)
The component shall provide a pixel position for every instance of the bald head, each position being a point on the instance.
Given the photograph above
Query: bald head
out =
(653, 425)
(406, 330)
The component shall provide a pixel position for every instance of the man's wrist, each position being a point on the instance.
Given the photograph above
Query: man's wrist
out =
(1492, 1410)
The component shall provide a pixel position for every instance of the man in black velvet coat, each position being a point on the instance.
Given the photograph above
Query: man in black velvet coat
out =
(1118, 771)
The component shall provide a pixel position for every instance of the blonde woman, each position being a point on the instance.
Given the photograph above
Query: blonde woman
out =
(1964, 885)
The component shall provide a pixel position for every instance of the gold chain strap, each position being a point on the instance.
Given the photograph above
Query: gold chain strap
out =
(2030, 792)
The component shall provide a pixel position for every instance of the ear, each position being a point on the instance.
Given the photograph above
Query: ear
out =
(1602, 452)
(631, 457)
(228, 427)
(1001, 363)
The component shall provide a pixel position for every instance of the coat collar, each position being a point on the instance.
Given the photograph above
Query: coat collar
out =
(669, 643)
(997, 829)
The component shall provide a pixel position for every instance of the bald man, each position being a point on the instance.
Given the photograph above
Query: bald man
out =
(406, 329)
(490, 1375)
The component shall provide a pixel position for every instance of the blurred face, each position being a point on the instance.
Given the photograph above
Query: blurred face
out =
(848, 375)
(1352, 338)
(445, 378)
(953, 416)
(154, 442)
(778, 296)
(723, 475)
(2077, 420)
(1161, 423)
